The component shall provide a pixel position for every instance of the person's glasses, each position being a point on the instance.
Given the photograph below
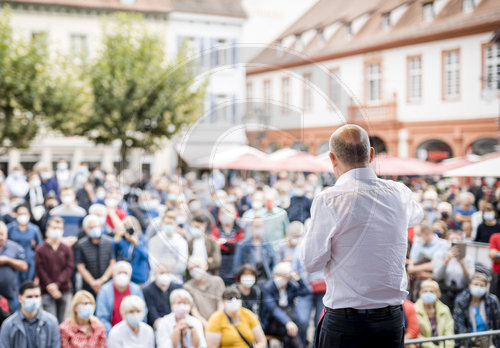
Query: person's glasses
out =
(85, 303)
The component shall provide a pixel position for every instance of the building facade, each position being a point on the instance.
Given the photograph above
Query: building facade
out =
(422, 76)
(74, 28)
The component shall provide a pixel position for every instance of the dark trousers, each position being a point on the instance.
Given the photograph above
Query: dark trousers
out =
(351, 329)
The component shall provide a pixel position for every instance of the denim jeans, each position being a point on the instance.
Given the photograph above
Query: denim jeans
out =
(385, 328)
(303, 309)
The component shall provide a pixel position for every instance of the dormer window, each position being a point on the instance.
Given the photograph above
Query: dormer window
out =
(386, 20)
(468, 6)
(348, 30)
(428, 11)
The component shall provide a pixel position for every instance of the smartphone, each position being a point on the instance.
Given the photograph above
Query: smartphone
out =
(461, 249)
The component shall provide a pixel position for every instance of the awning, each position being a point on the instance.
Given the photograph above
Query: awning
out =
(489, 165)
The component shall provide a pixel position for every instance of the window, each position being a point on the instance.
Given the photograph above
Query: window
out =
(491, 66)
(250, 102)
(428, 11)
(307, 92)
(78, 47)
(414, 78)
(222, 108)
(267, 97)
(451, 74)
(348, 30)
(373, 77)
(386, 20)
(334, 89)
(468, 6)
(285, 91)
(223, 52)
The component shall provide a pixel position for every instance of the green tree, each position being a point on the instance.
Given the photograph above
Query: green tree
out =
(35, 92)
(139, 97)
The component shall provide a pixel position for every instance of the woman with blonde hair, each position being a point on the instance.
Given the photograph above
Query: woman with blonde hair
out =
(434, 317)
(82, 329)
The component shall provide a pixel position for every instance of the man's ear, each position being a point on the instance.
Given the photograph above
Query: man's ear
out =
(372, 154)
(333, 159)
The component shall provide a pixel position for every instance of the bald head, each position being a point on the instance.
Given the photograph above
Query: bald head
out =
(350, 145)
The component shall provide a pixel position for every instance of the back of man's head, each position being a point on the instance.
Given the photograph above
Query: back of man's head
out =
(351, 145)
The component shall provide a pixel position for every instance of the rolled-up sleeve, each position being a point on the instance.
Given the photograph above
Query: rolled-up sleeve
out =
(315, 249)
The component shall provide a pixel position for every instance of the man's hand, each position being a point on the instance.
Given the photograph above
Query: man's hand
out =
(96, 285)
(54, 291)
(182, 325)
(295, 276)
(291, 329)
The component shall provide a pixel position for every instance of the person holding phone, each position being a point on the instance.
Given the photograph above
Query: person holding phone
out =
(452, 268)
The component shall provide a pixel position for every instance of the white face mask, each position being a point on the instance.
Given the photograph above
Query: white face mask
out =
(247, 280)
(418, 240)
(23, 219)
(280, 282)
(67, 199)
(197, 273)
(163, 279)
(121, 279)
(55, 233)
(233, 305)
(256, 205)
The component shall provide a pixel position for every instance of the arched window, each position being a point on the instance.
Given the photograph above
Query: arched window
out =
(434, 150)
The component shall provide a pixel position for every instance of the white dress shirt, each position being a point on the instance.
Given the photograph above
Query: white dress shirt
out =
(172, 250)
(166, 327)
(122, 336)
(358, 236)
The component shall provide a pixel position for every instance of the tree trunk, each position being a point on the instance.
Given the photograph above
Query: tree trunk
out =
(123, 156)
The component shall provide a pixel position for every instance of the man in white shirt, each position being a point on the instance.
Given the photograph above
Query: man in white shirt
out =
(358, 236)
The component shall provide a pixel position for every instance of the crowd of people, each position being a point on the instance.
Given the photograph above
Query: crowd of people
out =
(211, 259)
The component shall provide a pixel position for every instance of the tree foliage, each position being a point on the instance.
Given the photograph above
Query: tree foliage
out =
(139, 97)
(35, 93)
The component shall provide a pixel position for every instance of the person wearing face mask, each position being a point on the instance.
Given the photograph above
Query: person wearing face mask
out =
(434, 317)
(30, 326)
(287, 248)
(278, 314)
(16, 182)
(112, 294)
(35, 199)
(465, 209)
(179, 329)
(114, 212)
(27, 235)
(94, 256)
(63, 175)
(168, 246)
(256, 251)
(234, 326)
(477, 310)
(11, 264)
(131, 247)
(48, 181)
(300, 205)
(203, 245)
(251, 294)
(85, 195)
(275, 219)
(228, 234)
(476, 219)
(71, 213)
(157, 294)
(54, 266)
(452, 271)
(132, 332)
(205, 289)
(145, 210)
(82, 329)
(489, 226)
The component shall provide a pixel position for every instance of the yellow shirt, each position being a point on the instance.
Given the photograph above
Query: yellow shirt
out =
(218, 323)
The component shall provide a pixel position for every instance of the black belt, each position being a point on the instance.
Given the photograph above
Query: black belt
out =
(351, 311)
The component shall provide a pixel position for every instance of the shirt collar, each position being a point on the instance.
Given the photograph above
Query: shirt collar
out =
(362, 174)
(35, 319)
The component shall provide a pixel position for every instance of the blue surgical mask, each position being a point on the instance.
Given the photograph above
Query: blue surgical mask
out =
(488, 216)
(32, 304)
(95, 232)
(134, 319)
(85, 311)
(195, 232)
(477, 291)
(428, 297)
(169, 229)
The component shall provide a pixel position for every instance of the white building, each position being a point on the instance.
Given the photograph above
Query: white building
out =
(75, 27)
(422, 76)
